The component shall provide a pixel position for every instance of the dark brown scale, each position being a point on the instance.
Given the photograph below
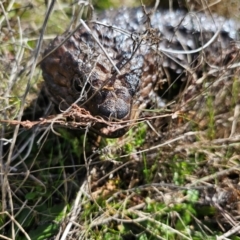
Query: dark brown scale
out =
(79, 72)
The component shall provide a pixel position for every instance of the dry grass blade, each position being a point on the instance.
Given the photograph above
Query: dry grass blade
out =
(76, 209)
(12, 218)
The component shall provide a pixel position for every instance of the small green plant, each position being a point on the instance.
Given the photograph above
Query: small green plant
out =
(235, 91)
(136, 137)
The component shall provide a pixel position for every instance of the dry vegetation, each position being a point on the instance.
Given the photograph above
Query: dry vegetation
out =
(178, 183)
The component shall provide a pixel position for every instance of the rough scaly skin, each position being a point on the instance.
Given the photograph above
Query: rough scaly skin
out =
(79, 72)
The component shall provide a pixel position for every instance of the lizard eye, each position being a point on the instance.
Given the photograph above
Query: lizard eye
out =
(77, 83)
(80, 87)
